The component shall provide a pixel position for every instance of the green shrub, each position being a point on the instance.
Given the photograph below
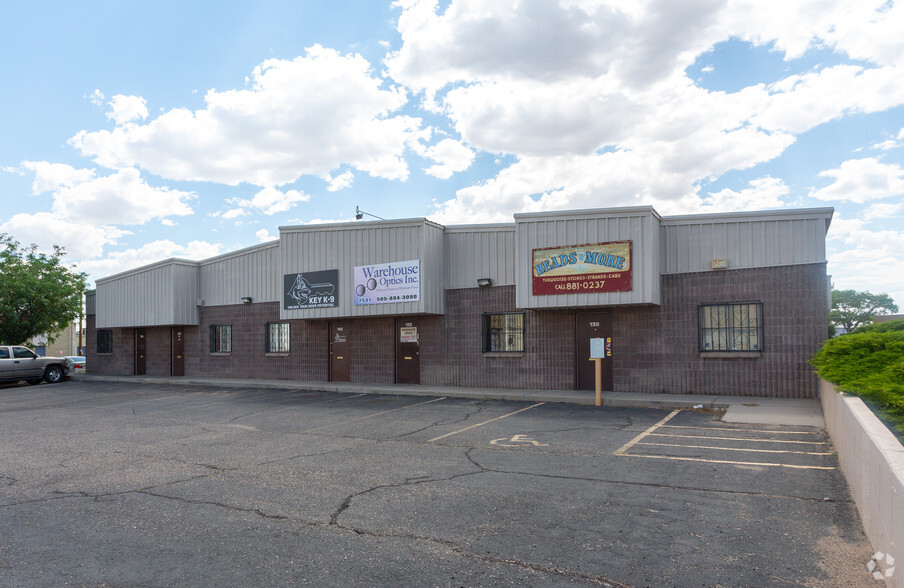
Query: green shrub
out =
(868, 362)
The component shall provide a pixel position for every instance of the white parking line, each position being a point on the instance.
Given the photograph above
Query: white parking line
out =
(649, 431)
(738, 439)
(749, 463)
(484, 423)
(738, 449)
(373, 415)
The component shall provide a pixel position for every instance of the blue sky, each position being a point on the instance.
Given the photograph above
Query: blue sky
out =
(137, 132)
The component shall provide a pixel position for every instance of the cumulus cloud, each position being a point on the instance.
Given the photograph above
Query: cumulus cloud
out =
(593, 101)
(861, 180)
(88, 210)
(267, 201)
(152, 252)
(858, 255)
(46, 229)
(124, 109)
(450, 157)
(264, 235)
(119, 198)
(340, 182)
(303, 116)
(763, 194)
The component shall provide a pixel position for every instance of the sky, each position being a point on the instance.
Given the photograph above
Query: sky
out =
(134, 132)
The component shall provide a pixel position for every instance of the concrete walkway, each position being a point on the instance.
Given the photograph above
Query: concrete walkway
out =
(738, 409)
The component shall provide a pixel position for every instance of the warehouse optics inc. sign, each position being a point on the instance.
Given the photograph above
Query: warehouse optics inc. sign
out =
(311, 290)
(580, 269)
(382, 283)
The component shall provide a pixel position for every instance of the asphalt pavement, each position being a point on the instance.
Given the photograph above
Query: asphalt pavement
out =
(111, 483)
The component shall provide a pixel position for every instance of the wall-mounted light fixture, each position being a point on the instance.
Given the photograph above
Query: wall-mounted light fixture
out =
(359, 214)
(484, 282)
(246, 299)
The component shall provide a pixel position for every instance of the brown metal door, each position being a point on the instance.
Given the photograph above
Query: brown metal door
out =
(178, 351)
(339, 359)
(593, 325)
(408, 362)
(141, 350)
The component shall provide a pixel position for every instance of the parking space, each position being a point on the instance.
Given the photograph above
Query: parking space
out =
(125, 484)
(787, 447)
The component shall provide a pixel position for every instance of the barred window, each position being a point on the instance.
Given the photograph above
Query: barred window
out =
(104, 341)
(731, 327)
(277, 337)
(503, 332)
(220, 338)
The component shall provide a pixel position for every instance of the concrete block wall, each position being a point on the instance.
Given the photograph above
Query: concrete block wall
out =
(658, 350)
(655, 348)
(122, 359)
(872, 460)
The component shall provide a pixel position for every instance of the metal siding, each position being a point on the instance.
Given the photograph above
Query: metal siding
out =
(347, 246)
(90, 302)
(691, 247)
(473, 253)
(641, 227)
(253, 272)
(186, 282)
(163, 294)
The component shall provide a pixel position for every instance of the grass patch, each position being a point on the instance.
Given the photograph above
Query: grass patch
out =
(869, 362)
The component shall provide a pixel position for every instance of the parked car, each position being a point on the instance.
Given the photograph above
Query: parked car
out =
(21, 363)
(76, 363)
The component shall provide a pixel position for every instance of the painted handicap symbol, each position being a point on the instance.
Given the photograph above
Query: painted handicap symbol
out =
(517, 441)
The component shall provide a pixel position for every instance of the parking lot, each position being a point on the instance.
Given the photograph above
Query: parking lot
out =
(119, 484)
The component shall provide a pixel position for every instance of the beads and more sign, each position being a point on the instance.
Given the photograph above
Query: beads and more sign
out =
(582, 269)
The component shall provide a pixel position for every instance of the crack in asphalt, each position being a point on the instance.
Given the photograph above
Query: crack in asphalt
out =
(462, 552)
(347, 501)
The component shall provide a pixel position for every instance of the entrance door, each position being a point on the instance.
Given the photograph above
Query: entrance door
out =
(141, 350)
(339, 359)
(593, 325)
(178, 362)
(408, 361)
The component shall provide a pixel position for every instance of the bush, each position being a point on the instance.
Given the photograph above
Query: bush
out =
(870, 363)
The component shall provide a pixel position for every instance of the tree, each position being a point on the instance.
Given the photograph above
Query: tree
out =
(38, 293)
(850, 308)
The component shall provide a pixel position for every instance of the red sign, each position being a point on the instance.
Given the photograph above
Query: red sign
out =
(581, 269)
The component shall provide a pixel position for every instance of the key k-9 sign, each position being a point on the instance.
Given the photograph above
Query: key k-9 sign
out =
(311, 290)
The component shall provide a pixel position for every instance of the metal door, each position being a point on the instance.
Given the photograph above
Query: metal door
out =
(339, 359)
(593, 325)
(141, 349)
(178, 363)
(408, 361)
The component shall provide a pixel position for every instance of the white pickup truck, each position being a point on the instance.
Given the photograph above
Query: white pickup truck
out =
(21, 363)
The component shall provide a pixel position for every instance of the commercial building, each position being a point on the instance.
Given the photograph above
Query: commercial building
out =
(708, 304)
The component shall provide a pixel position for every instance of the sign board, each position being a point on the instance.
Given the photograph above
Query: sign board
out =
(582, 269)
(311, 290)
(597, 348)
(408, 335)
(384, 283)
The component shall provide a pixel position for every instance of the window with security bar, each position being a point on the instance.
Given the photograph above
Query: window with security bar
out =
(731, 327)
(104, 341)
(503, 332)
(277, 337)
(220, 338)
